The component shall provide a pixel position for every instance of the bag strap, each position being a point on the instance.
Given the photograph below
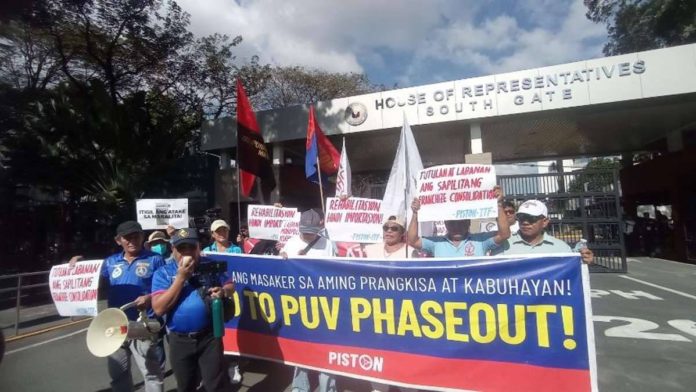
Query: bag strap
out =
(309, 246)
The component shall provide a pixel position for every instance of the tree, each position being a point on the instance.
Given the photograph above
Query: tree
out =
(637, 25)
(596, 177)
(297, 85)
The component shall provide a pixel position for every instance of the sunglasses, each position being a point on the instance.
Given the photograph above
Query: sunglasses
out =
(529, 218)
(185, 247)
(391, 228)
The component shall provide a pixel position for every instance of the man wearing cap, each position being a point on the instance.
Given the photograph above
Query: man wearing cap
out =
(129, 274)
(310, 243)
(458, 241)
(220, 231)
(179, 292)
(531, 238)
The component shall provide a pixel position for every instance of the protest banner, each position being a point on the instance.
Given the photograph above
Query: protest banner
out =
(463, 191)
(266, 222)
(354, 219)
(488, 324)
(156, 214)
(74, 289)
(289, 229)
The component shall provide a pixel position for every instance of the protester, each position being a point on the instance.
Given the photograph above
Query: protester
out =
(531, 238)
(392, 247)
(129, 276)
(243, 240)
(458, 241)
(394, 243)
(310, 243)
(509, 208)
(220, 231)
(158, 243)
(178, 292)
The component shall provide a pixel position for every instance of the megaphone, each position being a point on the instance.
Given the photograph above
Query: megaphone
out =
(111, 328)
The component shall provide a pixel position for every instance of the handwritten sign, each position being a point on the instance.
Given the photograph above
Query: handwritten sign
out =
(354, 220)
(159, 213)
(266, 222)
(463, 191)
(289, 229)
(74, 289)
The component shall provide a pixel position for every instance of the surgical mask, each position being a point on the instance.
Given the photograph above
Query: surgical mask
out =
(160, 249)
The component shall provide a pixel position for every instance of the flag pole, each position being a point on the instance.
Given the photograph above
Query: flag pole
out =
(321, 187)
(408, 185)
(239, 197)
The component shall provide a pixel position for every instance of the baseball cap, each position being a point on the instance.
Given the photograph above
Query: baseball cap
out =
(156, 236)
(128, 227)
(218, 224)
(310, 222)
(396, 219)
(185, 236)
(533, 208)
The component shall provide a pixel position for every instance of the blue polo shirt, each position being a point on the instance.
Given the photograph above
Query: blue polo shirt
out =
(474, 245)
(128, 281)
(190, 314)
(230, 249)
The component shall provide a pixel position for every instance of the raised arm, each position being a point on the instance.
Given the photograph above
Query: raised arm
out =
(503, 225)
(412, 235)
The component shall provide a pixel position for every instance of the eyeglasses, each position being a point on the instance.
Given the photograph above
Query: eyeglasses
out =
(529, 218)
(509, 212)
(391, 228)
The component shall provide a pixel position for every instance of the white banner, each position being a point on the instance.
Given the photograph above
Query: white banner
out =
(159, 213)
(354, 220)
(289, 229)
(451, 192)
(266, 222)
(74, 290)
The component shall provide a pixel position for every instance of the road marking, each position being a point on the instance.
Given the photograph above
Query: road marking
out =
(39, 332)
(683, 294)
(45, 342)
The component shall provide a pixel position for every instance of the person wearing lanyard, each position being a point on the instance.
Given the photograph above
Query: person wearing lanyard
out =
(178, 293)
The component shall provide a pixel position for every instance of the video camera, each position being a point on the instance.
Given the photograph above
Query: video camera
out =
(208, 274)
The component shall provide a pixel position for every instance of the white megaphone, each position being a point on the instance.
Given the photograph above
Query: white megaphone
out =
(111, 328)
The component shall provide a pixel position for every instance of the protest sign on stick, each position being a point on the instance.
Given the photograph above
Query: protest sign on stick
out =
(266, 222)
(451, 192)
(74, 289)
(354, 219)
(156, 214)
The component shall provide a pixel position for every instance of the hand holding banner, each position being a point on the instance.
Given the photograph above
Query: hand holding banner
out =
(463, 191)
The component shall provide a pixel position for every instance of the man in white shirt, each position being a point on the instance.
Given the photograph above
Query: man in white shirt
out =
(310, 243)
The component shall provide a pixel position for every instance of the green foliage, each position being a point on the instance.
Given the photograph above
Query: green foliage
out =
(636, 25)
(290, 86)
(596, 177)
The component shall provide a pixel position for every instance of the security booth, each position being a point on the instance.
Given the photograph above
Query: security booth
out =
(613, 106)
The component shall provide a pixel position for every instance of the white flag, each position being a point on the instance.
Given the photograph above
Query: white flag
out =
(343, 185)
(401, 188)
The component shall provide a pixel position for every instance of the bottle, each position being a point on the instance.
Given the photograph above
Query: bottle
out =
(582, 244)
(218, 322)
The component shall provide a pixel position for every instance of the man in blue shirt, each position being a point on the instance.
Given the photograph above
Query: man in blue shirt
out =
(129, 274)
(458, 241)
(183, 295)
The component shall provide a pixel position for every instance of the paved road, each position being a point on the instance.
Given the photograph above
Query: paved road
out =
(645, 329)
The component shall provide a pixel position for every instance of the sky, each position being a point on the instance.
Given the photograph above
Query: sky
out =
(404, 43)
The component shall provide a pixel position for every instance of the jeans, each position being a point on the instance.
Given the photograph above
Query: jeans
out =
(148, 357)
(300, 381)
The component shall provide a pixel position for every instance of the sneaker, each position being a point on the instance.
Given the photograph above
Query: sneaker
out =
(236, 376)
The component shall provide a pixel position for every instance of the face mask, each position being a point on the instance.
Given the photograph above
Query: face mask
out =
(160, 249)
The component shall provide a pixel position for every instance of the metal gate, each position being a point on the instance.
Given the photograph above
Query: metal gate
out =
(582, 204)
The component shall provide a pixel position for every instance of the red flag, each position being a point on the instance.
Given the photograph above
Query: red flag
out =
(253, 157)
(318, 145)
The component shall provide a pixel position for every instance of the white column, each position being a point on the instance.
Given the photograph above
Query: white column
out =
(476, 141)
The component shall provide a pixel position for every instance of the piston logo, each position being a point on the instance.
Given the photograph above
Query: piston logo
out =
(359, 361)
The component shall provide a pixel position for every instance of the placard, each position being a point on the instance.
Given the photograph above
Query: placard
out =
(354, 219)
(462, 191)
(74, 289)
(156, 214)
(266, 222)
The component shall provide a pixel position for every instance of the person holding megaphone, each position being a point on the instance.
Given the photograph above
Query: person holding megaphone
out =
(187, 292)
